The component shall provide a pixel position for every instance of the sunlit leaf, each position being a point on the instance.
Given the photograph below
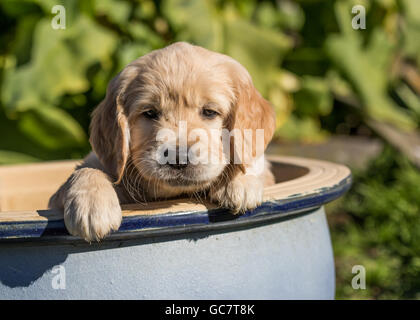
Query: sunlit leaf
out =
(59, 63)
(196, 21)
(116, 11)
(367, 69)
(11, 157)
(314, 98)
(305, 129)
(52, 128)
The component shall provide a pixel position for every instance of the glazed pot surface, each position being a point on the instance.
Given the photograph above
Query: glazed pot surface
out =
(289, 259)
(180, 249)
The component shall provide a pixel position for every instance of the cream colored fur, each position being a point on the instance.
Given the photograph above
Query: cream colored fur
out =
(177, 83)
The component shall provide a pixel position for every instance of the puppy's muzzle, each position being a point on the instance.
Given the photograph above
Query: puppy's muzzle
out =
(179, 158)
(179, 164)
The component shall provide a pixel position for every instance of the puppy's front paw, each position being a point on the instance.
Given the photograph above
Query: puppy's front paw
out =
(242, 193)
(91, 207)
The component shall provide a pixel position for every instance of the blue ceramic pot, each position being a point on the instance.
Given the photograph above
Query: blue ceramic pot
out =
(181, 249)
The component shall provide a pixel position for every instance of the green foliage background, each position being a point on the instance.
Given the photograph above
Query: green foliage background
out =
(377, 225)
(322, 77)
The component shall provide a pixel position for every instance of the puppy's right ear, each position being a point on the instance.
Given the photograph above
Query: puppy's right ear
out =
(109, 130)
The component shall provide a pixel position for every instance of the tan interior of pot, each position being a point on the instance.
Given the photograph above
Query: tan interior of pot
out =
(29, 186)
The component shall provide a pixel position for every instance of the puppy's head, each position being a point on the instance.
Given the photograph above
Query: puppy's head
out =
(167, 112)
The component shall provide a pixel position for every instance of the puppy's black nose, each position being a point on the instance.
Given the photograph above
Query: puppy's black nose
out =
(181, 161)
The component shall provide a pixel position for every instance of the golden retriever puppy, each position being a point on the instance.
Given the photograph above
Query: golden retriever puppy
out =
(162, 116)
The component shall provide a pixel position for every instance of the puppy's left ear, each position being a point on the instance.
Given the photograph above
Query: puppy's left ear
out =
(250, 112)
(110, 132)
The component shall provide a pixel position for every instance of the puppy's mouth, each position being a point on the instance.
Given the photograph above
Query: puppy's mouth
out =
(182, 182)
(186, 177)
(183, 177)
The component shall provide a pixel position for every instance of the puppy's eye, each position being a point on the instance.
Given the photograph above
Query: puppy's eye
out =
(209, 113)
(151, 114)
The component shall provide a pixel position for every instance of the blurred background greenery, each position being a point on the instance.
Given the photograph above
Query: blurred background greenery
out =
(324, 79)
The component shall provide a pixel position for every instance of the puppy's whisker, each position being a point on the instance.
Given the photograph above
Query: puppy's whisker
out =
(143, 171)
(131, 181)
(128, 185)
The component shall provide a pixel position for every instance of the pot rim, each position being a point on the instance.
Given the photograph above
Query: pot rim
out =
(323, 182)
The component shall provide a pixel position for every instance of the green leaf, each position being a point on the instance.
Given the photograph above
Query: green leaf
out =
(314, 98)
(411, 28)
(267, 15)
(301, 129)
(144, 35)
(195, 21)
(11, 157)
(145, 10)
(117, 11)
(18, 8)
(409, 98)
(131, 51)
(286, 15)
(22, 43)
(52, 128)
(60, 59)
(257, 49)
(367, 69)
